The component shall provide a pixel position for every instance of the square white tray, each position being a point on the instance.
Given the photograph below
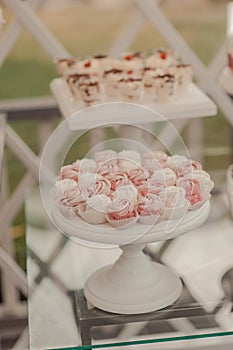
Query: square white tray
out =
(191, 104)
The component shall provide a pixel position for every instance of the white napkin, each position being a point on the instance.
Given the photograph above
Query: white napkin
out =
(201, 257)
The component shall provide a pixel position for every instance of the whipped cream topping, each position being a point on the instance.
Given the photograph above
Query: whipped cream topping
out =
(131, 77)
(162, 58)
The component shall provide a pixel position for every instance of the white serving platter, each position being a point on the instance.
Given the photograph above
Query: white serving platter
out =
(190, 104)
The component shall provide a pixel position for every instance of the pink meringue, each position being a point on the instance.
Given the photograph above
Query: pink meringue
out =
(107, 169)
(206, 185)
(127, 192)
(60, 187)
(108, 156)
(130, 155)
(138, 176)
(149, 209)
(159, 155)
(151, 164)
(117, 188)
(94, 210)
(175, 205)
(150, 186)
(73, 198)
(118, 179)
(192, 189)
(102, 186)
(165, 177)
(69, 172)
(87, 165)
(196, 165)
(128, 160)
(181, 165)
(121, 214)
(68, 195)
(87, 181)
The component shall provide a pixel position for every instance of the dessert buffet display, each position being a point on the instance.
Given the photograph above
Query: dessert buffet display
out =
(126, 188)
(133, 77)
(129, 199)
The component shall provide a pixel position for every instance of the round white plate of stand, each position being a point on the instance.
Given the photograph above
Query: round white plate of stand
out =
(133, 284)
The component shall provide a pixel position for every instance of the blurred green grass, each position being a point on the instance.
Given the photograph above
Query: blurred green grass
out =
(25, 78)
(89, 29)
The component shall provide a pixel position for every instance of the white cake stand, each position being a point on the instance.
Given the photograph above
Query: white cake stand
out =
(133, 284)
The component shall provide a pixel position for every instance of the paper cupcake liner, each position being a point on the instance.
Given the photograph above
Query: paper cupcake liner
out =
(76, 211)
(183, 86)
(165, 94)
(124, 223)
(198, 205)
(148, 219)
(68, 212)
(93, 217)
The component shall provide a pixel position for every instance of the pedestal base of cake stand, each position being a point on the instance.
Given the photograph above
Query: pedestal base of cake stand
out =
(133, 284)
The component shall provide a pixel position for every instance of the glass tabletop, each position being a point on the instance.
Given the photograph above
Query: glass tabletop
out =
(61, 318)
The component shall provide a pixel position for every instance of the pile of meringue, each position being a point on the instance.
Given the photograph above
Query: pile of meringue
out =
(132, 78)
(126, 188)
